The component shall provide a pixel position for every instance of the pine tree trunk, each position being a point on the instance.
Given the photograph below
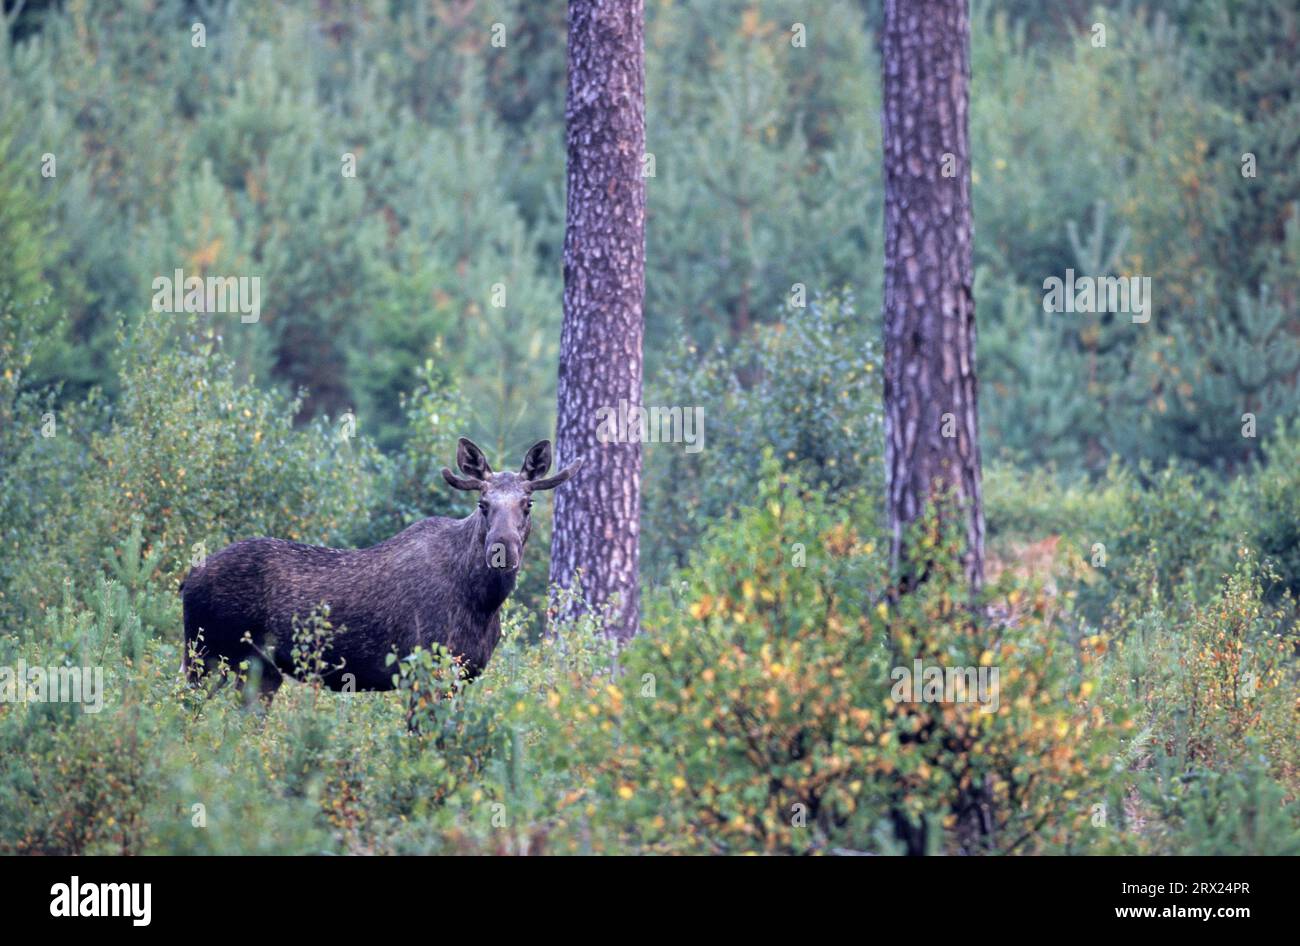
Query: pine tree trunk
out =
(597, 516)
(931, 420)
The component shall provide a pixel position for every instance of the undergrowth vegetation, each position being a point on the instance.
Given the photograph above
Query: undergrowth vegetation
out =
(1143, 702)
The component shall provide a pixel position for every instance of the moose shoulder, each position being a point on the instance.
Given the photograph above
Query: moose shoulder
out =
(440, 581)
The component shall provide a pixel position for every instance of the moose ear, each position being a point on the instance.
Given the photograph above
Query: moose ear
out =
(538, 460)
(553, 481)
(461, 482)
(471, 461)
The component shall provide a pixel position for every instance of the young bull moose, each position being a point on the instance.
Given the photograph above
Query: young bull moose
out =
(439, 581)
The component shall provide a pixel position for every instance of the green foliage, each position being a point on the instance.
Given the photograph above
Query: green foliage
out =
(1208, 813)
(180, 458)
(133, 567)
(24, 229)
(1117, 161)
(810, 390)
(765, 175)
(189, 445)
(747, 715)
(759, 713)
(1124, 159)
(1244, 53)
(1269, 507)
(74, 778)
(1211, 678)
(412, 486)
(1166, 535)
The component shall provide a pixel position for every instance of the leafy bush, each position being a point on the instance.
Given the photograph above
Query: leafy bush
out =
(74, 781)
(1212, 679)
(1268, 507)
(1213, 813)
(809, 387)
(1136, 533)
(757, 714)
(190, 455)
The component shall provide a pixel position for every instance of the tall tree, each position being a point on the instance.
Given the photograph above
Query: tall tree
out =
(597, 518)
(931, 421)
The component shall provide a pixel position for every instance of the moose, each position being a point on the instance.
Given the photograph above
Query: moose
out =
(438, 581)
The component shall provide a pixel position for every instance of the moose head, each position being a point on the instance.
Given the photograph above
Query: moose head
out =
(505, 498)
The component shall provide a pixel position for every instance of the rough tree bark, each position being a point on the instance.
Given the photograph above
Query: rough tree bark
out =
(597, 516)
(931, 422)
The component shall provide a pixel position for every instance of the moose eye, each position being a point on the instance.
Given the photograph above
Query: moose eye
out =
(483, 506)
(528, 507)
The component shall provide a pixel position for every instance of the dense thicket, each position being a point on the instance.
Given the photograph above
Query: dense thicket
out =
(1122, 159)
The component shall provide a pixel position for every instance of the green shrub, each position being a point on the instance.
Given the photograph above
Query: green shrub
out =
(190, 456)
(757, 713)
(75, 778)
(1268, 508)
(1211, 678)
(809, 387)
(1207, 813)
(1133, 533)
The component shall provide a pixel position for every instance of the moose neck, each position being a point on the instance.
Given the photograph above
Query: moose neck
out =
(486, 588)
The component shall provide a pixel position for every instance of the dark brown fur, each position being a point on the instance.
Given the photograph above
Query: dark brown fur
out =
(439, 581)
